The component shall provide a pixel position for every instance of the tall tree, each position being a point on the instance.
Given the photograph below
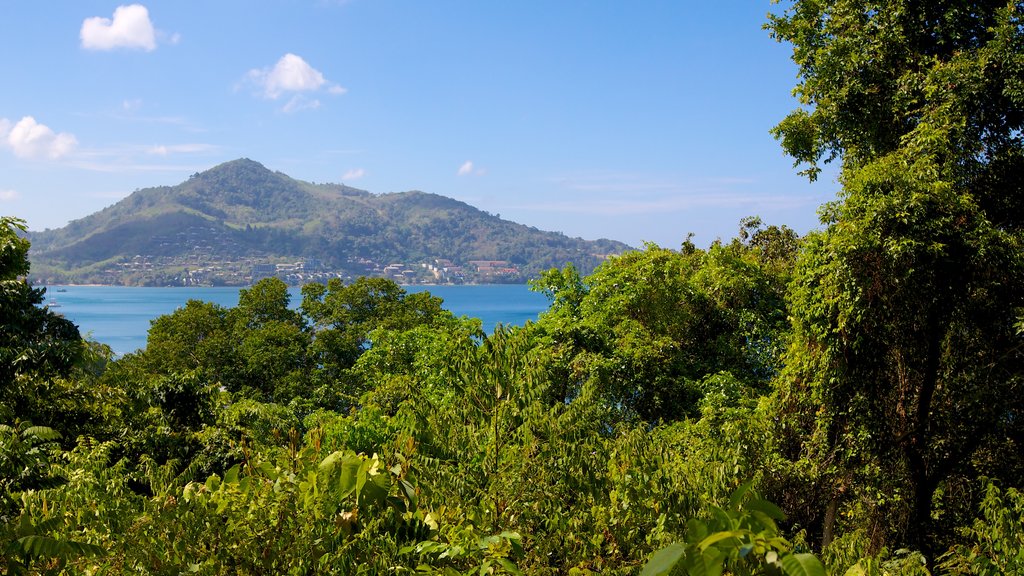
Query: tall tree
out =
(906, 372)
(34, 341)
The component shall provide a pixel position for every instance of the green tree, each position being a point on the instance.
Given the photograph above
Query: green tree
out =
(648, 327)
(344, 317)
(258, 348)
(195, 336)
(35, 342)
(904, 382)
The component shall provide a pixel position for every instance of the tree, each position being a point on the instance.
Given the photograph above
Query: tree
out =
(189, 338)
(36, 347)
(648, 328)
(35, 342)
(344, 316)
(906, 372)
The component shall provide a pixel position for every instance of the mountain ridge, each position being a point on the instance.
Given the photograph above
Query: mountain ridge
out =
(241, 213)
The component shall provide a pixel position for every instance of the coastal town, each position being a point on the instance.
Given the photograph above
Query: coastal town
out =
(207, 271)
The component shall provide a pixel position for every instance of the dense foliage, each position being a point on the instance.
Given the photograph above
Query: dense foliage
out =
(844, 403)
(904, 381)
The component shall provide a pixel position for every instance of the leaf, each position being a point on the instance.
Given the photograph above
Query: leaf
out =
(710, 563)
(39, 547)
(767, 508)
(410, 491)
(343, 473)
(721, 520)
(663, 561)
(47, 547)
(855, 570)
(737, 496)
(802, 565)
(719, 536)
(696, 530)
(231, 476)
(41, 433)
(509, 566)
(375, 491)
(268, 470)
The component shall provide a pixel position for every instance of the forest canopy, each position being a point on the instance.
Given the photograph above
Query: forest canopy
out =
(847, 402)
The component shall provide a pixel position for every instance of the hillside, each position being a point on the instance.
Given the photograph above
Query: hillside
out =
(240, 220)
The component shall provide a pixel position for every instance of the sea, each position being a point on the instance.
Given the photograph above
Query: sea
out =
(119, 316)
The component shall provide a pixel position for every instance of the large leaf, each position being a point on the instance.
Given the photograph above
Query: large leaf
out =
(767, 508)
(710, 563)
(231, 476)
(802, 565)
(663, 561)
(509, 566)
(736, 498)
(46, 547)
(41, 433)
(719, 536)
(342, 471)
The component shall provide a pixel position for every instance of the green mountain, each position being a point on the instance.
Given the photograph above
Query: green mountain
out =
(221, 224)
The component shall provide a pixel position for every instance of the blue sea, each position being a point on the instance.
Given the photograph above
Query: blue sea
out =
(120, 316)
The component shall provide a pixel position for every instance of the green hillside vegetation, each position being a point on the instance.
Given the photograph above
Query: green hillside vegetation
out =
(239, 212)
(845, 403)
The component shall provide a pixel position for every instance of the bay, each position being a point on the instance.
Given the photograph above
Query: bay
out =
(119, 316)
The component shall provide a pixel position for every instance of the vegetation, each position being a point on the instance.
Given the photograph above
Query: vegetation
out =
(844, 403)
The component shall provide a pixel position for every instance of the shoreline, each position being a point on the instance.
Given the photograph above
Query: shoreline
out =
(240, 286)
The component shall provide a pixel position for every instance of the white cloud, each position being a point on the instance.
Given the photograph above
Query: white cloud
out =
(353, 174)
(130, 28)
(292, 74)
(468, 168)
(8, 195)
(31, 140)
(131, 105)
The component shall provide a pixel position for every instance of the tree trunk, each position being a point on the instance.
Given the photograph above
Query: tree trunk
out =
(919, 526)
(828, 532)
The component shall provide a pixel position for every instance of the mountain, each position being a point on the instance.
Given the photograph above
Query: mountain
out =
(240, 220)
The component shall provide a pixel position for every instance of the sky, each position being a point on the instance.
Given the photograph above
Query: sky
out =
(637, 121)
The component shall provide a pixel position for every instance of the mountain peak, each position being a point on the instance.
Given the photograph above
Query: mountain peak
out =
(238, 164)
(235, 169)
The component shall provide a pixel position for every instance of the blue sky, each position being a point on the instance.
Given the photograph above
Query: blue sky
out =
(638, 121)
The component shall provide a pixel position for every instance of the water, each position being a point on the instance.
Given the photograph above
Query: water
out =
(119, 316)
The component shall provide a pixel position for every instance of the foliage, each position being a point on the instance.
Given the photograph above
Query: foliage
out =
(35, 342)
(743, 539)
(995, 540)
(26, 454)
(648, 327)
(903, 383)
(865, 377)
